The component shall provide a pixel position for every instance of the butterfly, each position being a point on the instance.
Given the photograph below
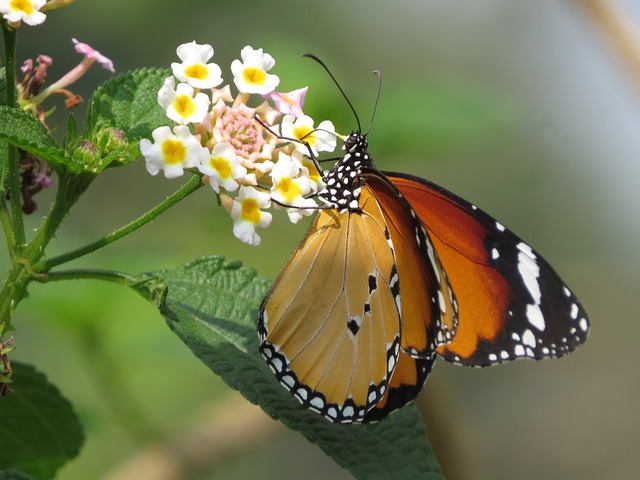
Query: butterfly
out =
(395, 272)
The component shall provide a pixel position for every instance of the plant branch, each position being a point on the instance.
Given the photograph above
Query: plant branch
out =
(26, 256)
(111, 276)
(187, 189)
(10, 172)
(7, 227)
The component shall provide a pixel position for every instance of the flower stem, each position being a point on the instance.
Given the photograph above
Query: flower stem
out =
(10, 171)
(22, 270)
(112, 276)
(7, 227)
(187, 189)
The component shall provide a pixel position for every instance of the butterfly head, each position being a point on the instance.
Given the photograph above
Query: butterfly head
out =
(355, 142)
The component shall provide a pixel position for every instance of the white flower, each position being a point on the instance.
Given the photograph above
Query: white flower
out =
(290, 186)
(310, 169)
(171, 151)
(222, 166)
(320, 139)
(250, 75)
(194, 68)
(247, 216)
(27, 11)
(183, 105)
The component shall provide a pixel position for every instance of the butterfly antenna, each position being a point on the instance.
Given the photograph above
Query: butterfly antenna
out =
(313, 57)
(378, 74)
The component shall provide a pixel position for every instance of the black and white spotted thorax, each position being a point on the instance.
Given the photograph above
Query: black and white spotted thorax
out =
(343, 187)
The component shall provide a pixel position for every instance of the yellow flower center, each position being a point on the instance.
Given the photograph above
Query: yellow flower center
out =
(222, 166)
(185, 106)
(197, 70)
(23, 6)
(254, 76)
(289, 189)
(314, 175)
(250, 210)
(305, 133)
(174, 151)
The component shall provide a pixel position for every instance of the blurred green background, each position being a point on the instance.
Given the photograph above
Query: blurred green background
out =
(521, 107)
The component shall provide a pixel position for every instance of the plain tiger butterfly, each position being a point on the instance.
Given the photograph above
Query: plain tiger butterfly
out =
(393, 272)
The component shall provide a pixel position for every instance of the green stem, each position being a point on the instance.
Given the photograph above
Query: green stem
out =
(22, 270)
(10, 36)
(86, 273)
(187, 189)
(11, 170)
(7, 227)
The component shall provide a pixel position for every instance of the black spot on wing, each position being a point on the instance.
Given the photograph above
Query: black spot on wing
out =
(353, 326)
(373, 283)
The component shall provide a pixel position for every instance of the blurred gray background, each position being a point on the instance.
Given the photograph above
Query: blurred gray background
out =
(528, 109)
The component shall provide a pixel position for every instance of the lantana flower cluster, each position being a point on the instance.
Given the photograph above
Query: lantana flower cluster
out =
(255, 150)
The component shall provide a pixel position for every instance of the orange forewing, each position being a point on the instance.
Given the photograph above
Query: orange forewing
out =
(482, 292)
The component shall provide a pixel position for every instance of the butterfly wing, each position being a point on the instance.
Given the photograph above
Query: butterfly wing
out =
(512, 304)
(405, 385)
(330, 326)
(428, 306)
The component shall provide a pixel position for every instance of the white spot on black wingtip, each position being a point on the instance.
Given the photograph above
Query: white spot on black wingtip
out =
(584, 325)
(528, 338)
(574, 311)
(530, 272)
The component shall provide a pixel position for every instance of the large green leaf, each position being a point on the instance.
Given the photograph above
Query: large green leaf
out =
(23, 130)
(39, 430)
(129, 102)
(211, 304)
(121, 112)
(14, 475)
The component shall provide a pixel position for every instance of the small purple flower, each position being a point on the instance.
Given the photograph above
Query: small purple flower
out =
(90, 53)
(288, 103)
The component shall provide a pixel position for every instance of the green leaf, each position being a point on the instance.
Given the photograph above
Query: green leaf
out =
(129, 102)
(23, 130)
(211, 304)
(72, 130)
(39, 430)
(121, 112)
(14, 475)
